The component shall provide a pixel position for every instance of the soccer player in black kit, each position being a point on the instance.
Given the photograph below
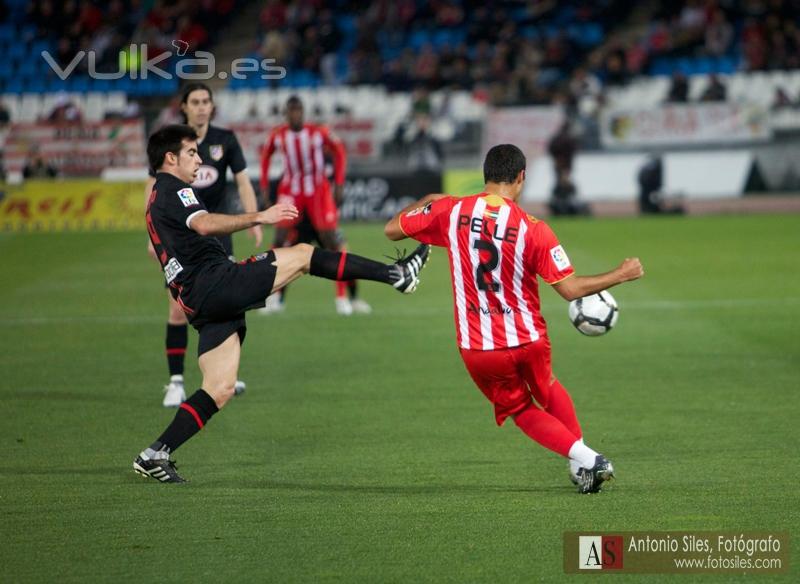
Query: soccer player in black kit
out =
(219, 150)
(215, 292)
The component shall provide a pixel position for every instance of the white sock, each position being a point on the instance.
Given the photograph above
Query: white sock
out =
(582, 454)
(574, 465)
(176, 379)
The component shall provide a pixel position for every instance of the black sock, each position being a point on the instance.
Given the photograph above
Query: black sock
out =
(352, 289)
(335, 265)
(177, 339)
(192, 415)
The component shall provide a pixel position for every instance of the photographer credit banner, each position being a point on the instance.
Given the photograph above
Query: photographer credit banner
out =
(671, 125)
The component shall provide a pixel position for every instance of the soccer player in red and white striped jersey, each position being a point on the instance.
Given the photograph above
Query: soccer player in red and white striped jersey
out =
(496, 252)
(305, 185)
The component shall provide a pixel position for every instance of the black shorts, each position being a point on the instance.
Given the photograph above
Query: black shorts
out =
(238, 288)
(227, 244)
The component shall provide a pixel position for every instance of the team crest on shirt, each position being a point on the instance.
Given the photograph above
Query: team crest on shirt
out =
(560, 258)
(187, 197)
(216, 152)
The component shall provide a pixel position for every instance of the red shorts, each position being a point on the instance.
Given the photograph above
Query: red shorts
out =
(320, 208)
(512, 378)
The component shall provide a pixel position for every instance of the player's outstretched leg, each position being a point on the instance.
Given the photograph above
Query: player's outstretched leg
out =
(176, 342)
(293, 262)
(551, 433)
(559, 404)
(219, 367)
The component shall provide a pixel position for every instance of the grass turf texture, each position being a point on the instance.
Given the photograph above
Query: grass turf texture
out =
(362, 451)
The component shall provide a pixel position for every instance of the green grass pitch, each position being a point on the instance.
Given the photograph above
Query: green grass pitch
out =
(362, 452)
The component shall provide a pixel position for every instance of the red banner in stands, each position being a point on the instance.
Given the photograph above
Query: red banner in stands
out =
(530, 128)
(359, 136)
(77, 149)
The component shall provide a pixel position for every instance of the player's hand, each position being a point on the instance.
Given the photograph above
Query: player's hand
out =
(277, 213)
(257, 234)
(151, 250)
(338, 195)
(630, 269)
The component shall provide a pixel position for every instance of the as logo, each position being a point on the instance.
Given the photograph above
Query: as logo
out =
(187, 197)
(216, 152)
(600, 552)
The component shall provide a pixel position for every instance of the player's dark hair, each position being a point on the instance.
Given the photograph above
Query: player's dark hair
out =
(503, 163)
(189, 88)
(167, 139)
(294, 101)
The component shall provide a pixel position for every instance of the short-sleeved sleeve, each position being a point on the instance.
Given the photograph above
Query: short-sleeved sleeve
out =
(428, 224)
(184, 205)
(236, 159)
(550, 260)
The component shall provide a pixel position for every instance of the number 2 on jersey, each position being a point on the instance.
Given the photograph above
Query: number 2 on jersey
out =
(486, 267)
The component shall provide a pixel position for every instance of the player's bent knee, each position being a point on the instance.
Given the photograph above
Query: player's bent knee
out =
(220, 391)
(304, 251)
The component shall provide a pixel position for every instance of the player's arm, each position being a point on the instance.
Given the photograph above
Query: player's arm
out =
(248, 198)
(336, 147)
(206, 223)
(393, 230)
(148, 190)
(575, 286)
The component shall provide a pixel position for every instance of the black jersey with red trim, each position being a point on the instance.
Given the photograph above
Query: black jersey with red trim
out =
(192, 263)
(219, 150)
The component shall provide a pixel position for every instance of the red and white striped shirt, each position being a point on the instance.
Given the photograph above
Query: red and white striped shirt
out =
(304, 158)
(496, 251)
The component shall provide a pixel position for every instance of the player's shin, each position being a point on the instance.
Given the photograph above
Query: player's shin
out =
(190, 418)
(335, 265)
(545, 429)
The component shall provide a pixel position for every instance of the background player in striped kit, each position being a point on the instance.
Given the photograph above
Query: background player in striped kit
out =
(304, 184)
(219, 150)
(496, 251)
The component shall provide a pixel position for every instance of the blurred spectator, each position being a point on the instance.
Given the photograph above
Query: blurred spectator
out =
(424, 151)
(191, 32)
(679, 90)
(64, 110)
(3, 175)
(5, 116)
(716, 90)
(562, 147)
(651, 180)
(273, 16)
(781, 100)
(719, 34)
(37, 167)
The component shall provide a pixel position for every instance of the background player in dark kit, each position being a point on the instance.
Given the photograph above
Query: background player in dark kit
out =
(219, 150)
(215, 292)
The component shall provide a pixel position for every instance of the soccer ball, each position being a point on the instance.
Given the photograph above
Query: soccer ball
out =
(594, 315)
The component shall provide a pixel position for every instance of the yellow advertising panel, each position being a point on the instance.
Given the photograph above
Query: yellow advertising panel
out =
(72, 205)
(463, 182)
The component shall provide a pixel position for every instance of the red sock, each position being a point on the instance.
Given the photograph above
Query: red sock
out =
(545, 429)
(560, 406)
(341, 289)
